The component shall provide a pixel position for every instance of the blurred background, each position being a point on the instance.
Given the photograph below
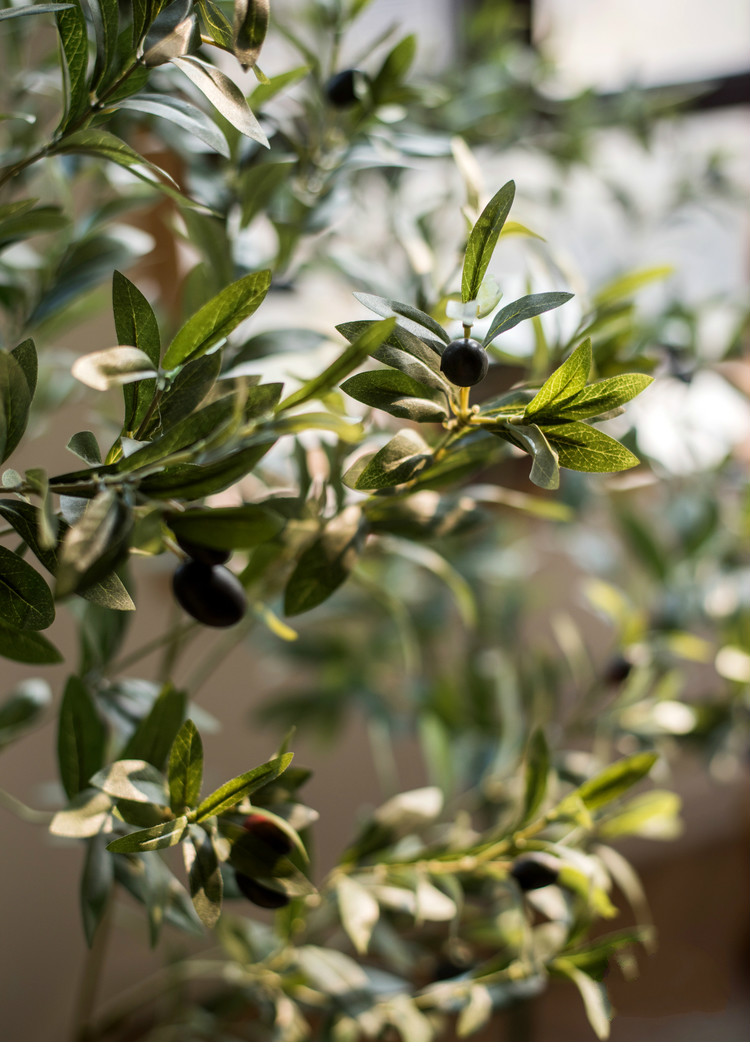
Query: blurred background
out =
(625, 126)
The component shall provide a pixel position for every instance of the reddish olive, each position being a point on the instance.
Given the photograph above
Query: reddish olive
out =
(211, 595)
(341, 89)
(203, 553)
(259, 894)
(530, 875)
(261, 828)
(464, 361)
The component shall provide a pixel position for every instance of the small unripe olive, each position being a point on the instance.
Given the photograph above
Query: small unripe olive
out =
(341, 89)
(464, 361)
(530, 875)
(211, 595)
(261, 828)
(203, 553)
(259, 894)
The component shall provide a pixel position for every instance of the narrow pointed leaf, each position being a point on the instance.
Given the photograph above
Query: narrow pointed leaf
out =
(155, 838)
(71, 25)
(32, 9)
(230, 794)
(417, 321)
(352, 357)
(15, 401)
(249, 30)
(217, 318)
(398, 394)
(183, 114)
(483, 239)
(20, 645)
(223, 94)
(81, 738)
(564, 383)
(580, 446)
(185, 772)
(605, 395)
(25, 598)
(204, 878)
(359, 911)
(545, 471)
(153, 737)
(523, 309)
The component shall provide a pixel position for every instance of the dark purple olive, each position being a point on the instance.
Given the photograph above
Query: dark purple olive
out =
(203, 553)
(464, 361)
(261, 828)
(618, 669)
(211, 595)
(530, 875)
(341, 89)
(259, 894)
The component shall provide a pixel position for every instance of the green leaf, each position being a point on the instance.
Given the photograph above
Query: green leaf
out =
(94, 545)
(71, 25)
(104, 15)
(545, 471)
(325, 565)
(537, 773)
(153, 737)
(217, 318)
(398, 395)
(523, 309)
(653, 815)
(249, 30)
(183, 114)
(394, 69)
(359, 911)
(428, 352)
(22, 708)
(482, 241)
(264, 92)
(236, 527)
(135, 324)
(417, 321)
(352, 357)
(97, 883)
(133, 780)
(400, 460)
(106, 368)
(29, 647)
(188, 482)
(203, 427)
(108, 592)
(25, 356)
(32, 9)
(88, 814)
(605, 395)
(81, 738)
(614, 781)
(104, 145)
(464, 459)
(156, 838)
(347, 431)
(25, 224)
(230, 794)
(190, 387)
(625, 286)
(15, 401)
(204, 878)
(213, 19)
(172, 38)
(86, 447)
(580, 446)
(25, 599)
(223, 94)
(564, 383)
(593, 994)
(185, 772)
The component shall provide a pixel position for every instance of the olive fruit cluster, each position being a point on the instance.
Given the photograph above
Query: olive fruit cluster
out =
(206, 589)
(271, 842)
(464, 361)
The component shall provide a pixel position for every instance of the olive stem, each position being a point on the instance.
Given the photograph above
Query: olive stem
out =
(177, 631)
(92, 969)
(21, 810)
(464, 393)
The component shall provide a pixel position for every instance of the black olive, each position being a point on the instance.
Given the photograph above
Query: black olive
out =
(530, 875)
(261, 828)
(259, 894)
(203, 553)
(211, 595)
(618, 669)
(341, 89)
(464, 361)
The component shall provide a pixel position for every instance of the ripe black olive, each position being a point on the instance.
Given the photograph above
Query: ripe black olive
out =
(259, 894)
(341, 89)
(618, 669)
(211, 595)
(203, 553)
(464, 361)
(261, 828)
(530, 875)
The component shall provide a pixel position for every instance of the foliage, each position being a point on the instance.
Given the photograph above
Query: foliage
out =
(426, 918)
